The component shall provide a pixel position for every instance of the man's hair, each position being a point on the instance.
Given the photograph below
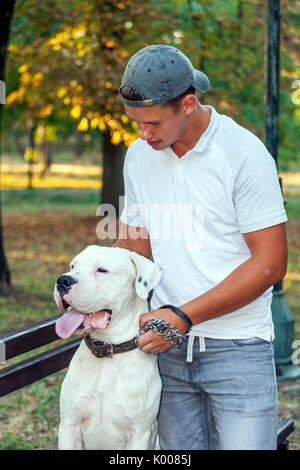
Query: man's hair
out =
(132, 94)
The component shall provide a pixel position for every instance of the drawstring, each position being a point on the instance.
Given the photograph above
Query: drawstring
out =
(202, 344)
(189, 352)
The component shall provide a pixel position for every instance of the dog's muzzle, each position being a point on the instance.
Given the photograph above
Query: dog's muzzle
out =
(64, 283)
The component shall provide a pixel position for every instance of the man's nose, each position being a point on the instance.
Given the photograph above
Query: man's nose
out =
(145, 132)
(64, 283)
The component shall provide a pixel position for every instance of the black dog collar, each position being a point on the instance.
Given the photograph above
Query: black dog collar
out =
(101, 349)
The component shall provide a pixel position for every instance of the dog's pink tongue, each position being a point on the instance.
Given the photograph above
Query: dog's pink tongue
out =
(68, 323)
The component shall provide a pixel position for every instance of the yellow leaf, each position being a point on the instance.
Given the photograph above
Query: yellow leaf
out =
(38, 76)
(75, 111)
(25, 78)
(47, 110)
(37, 79)
(116, 138)
(102, 126)
(23, 68)
(21, 92)
(30, 154)
(124, 53)
(11, 97)
(110, 44)
(94, 123)
(62, 91)
(128, 141)
(124, 119)
(83, 125)
(113, 123)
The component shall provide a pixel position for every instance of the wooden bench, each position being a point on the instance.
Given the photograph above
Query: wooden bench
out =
(39, 366)
(36, 367)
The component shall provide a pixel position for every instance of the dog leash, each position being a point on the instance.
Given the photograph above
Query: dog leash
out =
(167, 331)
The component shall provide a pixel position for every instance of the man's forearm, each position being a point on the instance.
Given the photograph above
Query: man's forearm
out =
(121, 244)
(140, 244)
(241, 287)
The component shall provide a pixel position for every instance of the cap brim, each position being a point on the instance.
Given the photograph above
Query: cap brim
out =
(201, 81)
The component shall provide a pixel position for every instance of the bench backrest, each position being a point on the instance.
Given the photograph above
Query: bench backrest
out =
(38, 366)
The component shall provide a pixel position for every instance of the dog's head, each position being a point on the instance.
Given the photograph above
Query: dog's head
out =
(104, 289)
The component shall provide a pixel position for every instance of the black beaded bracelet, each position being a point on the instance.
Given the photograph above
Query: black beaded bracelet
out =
(180, 313)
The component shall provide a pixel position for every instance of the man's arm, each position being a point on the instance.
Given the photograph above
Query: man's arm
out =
(266, 266)
(134, 239)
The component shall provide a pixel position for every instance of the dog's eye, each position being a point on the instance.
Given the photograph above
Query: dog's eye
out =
(101, 270)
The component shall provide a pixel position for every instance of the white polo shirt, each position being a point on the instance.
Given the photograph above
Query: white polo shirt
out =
(196, 209)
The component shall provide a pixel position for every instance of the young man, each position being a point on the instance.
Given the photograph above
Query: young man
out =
(224, 250)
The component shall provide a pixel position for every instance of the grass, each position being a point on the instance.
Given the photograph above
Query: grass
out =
(43, 229)
(292, 205)
(24, 201)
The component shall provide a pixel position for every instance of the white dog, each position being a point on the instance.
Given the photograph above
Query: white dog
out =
(107, 402)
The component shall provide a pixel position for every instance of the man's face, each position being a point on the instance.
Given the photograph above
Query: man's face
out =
(159, 125)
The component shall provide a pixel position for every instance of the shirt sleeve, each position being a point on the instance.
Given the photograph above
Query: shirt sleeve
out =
(257, 193)
(132, 213)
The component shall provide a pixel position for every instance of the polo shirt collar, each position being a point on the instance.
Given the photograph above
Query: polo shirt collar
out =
(205, 138)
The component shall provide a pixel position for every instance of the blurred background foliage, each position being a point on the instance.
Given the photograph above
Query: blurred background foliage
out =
(65, 133)
(66, 59)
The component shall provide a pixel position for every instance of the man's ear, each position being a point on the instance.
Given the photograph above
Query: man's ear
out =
(148, 274)
(189, 103)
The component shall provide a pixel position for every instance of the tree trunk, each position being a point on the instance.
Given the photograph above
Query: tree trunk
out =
(31, 146)
(113, 159)
(45, 152)
(17, 142)
(7, 8)
(49, 154)
(79, 144)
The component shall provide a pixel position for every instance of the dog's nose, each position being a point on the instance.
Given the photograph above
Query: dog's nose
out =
(64, 283)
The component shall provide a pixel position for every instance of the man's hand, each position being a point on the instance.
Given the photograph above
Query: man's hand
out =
(152, 342)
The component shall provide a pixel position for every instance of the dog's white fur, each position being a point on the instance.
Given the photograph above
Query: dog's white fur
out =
(110, 403)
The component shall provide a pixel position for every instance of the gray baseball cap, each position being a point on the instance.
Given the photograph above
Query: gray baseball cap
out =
(161, 73)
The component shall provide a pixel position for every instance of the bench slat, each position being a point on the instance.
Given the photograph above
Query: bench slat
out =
(30, 337)
(284, 429)
(35, 368)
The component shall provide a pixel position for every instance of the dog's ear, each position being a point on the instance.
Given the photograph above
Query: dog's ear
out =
(148, 274)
